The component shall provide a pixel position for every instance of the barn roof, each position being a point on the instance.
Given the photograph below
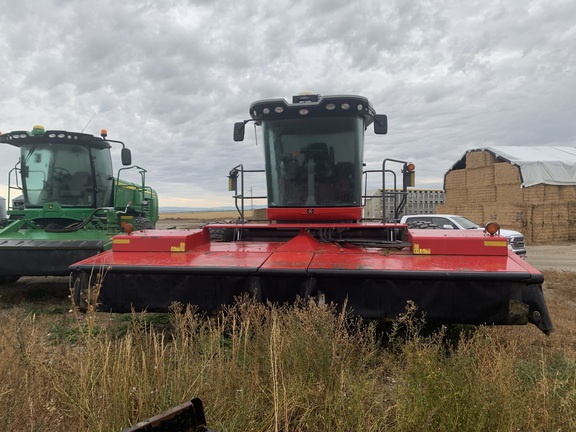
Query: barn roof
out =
(538, 165)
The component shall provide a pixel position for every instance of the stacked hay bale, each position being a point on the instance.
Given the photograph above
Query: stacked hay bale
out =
(488, 189)
(260, 214)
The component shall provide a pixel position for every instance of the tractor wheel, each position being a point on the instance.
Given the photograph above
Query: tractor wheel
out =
(422, 225)
(141, 223)
(221, 234)
(6, 279)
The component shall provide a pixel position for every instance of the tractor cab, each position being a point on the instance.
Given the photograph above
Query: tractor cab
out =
(313, 154)
(68, 202)
(71, 169)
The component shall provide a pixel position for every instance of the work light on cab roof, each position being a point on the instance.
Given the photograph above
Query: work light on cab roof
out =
(38, 130)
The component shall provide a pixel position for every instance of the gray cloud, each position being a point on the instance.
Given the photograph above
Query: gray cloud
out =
(171, 78)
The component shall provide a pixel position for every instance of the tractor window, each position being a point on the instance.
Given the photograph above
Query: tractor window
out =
(104, 176)
(57, 172)
(314, 161)
(35, 163)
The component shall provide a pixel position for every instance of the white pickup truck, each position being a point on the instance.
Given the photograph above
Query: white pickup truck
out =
(516, 240)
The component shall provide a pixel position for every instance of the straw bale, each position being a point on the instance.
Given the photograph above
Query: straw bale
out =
(478, 159)
(459, 197)
(506, 173)
(568, 193)
(552, 219)
(534, 194)
(507, 194)
(571, 205)
(459, 210)
(472, 212)
(491, 212)
(480, 177)
(527, 230)
(544, 193)
(260, 214)
(540, 214)
(480, 196)
(551, 193)
(542, 236)
(571, 220)
(445, 209)
(512, 214)
(455, 179)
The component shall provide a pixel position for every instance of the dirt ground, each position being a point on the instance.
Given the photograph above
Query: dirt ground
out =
(553, 257)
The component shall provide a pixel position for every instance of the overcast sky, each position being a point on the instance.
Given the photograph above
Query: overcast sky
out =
(170, 78)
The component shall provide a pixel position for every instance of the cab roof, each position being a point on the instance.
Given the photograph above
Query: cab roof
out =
(20, 138)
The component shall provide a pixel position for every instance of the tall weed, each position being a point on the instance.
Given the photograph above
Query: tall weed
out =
(299, 368)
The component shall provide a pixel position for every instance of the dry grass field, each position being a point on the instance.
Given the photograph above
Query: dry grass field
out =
(285, 369)
(194, 219)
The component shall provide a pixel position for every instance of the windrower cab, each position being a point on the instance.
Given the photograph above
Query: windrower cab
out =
(313, 151)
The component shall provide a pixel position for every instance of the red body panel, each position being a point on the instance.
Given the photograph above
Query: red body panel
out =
(315, 213)
(446, 242)
(454, 276)
(431, 251)
(160, 241)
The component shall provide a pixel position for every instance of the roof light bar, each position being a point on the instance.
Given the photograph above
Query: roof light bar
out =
(313, 105)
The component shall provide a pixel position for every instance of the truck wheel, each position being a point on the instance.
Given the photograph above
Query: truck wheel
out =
(141, 223)
(6, 279)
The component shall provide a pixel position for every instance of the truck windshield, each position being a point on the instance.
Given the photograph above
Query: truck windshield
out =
(466, 223)
(64, 173)
(314, 161)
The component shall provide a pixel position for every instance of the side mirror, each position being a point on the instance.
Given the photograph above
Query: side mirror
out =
(239, 131)
(380, 124)
(126, 156)
(447, 226)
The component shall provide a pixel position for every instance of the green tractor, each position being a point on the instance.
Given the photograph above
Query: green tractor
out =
(68, 204)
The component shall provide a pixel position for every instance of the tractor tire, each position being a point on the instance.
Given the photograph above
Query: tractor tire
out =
(422, 225)
(7, 279)
(222, 234)
(84, 295)
(141, 223)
